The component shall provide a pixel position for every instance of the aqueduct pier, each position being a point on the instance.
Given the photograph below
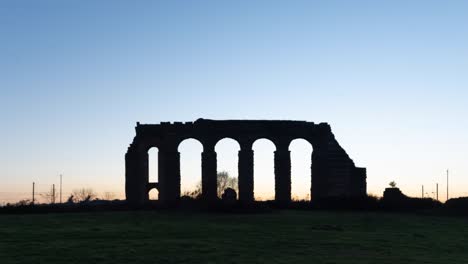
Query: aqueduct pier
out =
(333, 172)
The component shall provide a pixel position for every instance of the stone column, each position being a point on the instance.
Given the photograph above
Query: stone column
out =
(136, 178)
(311, 169)
(320, 172)
(209, 172)
(282, 175)
(169, 177)
(246, 171)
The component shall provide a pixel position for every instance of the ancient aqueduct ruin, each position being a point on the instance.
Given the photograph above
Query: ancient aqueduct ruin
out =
(333, 173)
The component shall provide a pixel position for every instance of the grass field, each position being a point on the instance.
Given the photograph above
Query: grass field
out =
(278, 237)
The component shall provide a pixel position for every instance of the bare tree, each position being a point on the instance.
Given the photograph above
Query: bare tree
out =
(50, 196)
(23, 202)
(225, 181)
(83, 194)
(109, 196)
(195, 193)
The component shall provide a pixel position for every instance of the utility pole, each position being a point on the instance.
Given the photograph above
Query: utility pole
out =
(33, 193)
(60, 188)
(437, 191)
(53, 193)
(447, 185)
(422, 192)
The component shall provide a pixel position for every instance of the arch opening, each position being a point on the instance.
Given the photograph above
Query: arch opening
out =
(264, 169)
(227, 150)
(153, 194)
(153, 164)
(301, 169)
(190, 167)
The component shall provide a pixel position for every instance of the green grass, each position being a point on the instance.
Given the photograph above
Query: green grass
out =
(279, 237)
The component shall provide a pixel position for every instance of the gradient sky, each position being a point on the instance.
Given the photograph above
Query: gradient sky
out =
(389, 76)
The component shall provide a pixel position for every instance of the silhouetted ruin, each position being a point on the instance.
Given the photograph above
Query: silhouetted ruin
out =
(333, 173)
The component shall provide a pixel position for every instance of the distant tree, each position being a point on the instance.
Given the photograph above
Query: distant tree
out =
(83, 195)
(392, 184)
(70, 199)
(223, 182)
(108, 196)
(195, 193)
(24, 202)
(50, 196)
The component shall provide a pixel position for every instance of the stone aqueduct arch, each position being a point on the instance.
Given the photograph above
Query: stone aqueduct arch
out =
(333, 172)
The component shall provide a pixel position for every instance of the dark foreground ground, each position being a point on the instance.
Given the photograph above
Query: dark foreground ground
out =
(277, 237)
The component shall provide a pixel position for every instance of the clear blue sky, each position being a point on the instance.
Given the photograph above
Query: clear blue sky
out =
(389, 76)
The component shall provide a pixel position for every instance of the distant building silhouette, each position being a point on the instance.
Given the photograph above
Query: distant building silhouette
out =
(333, 173)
